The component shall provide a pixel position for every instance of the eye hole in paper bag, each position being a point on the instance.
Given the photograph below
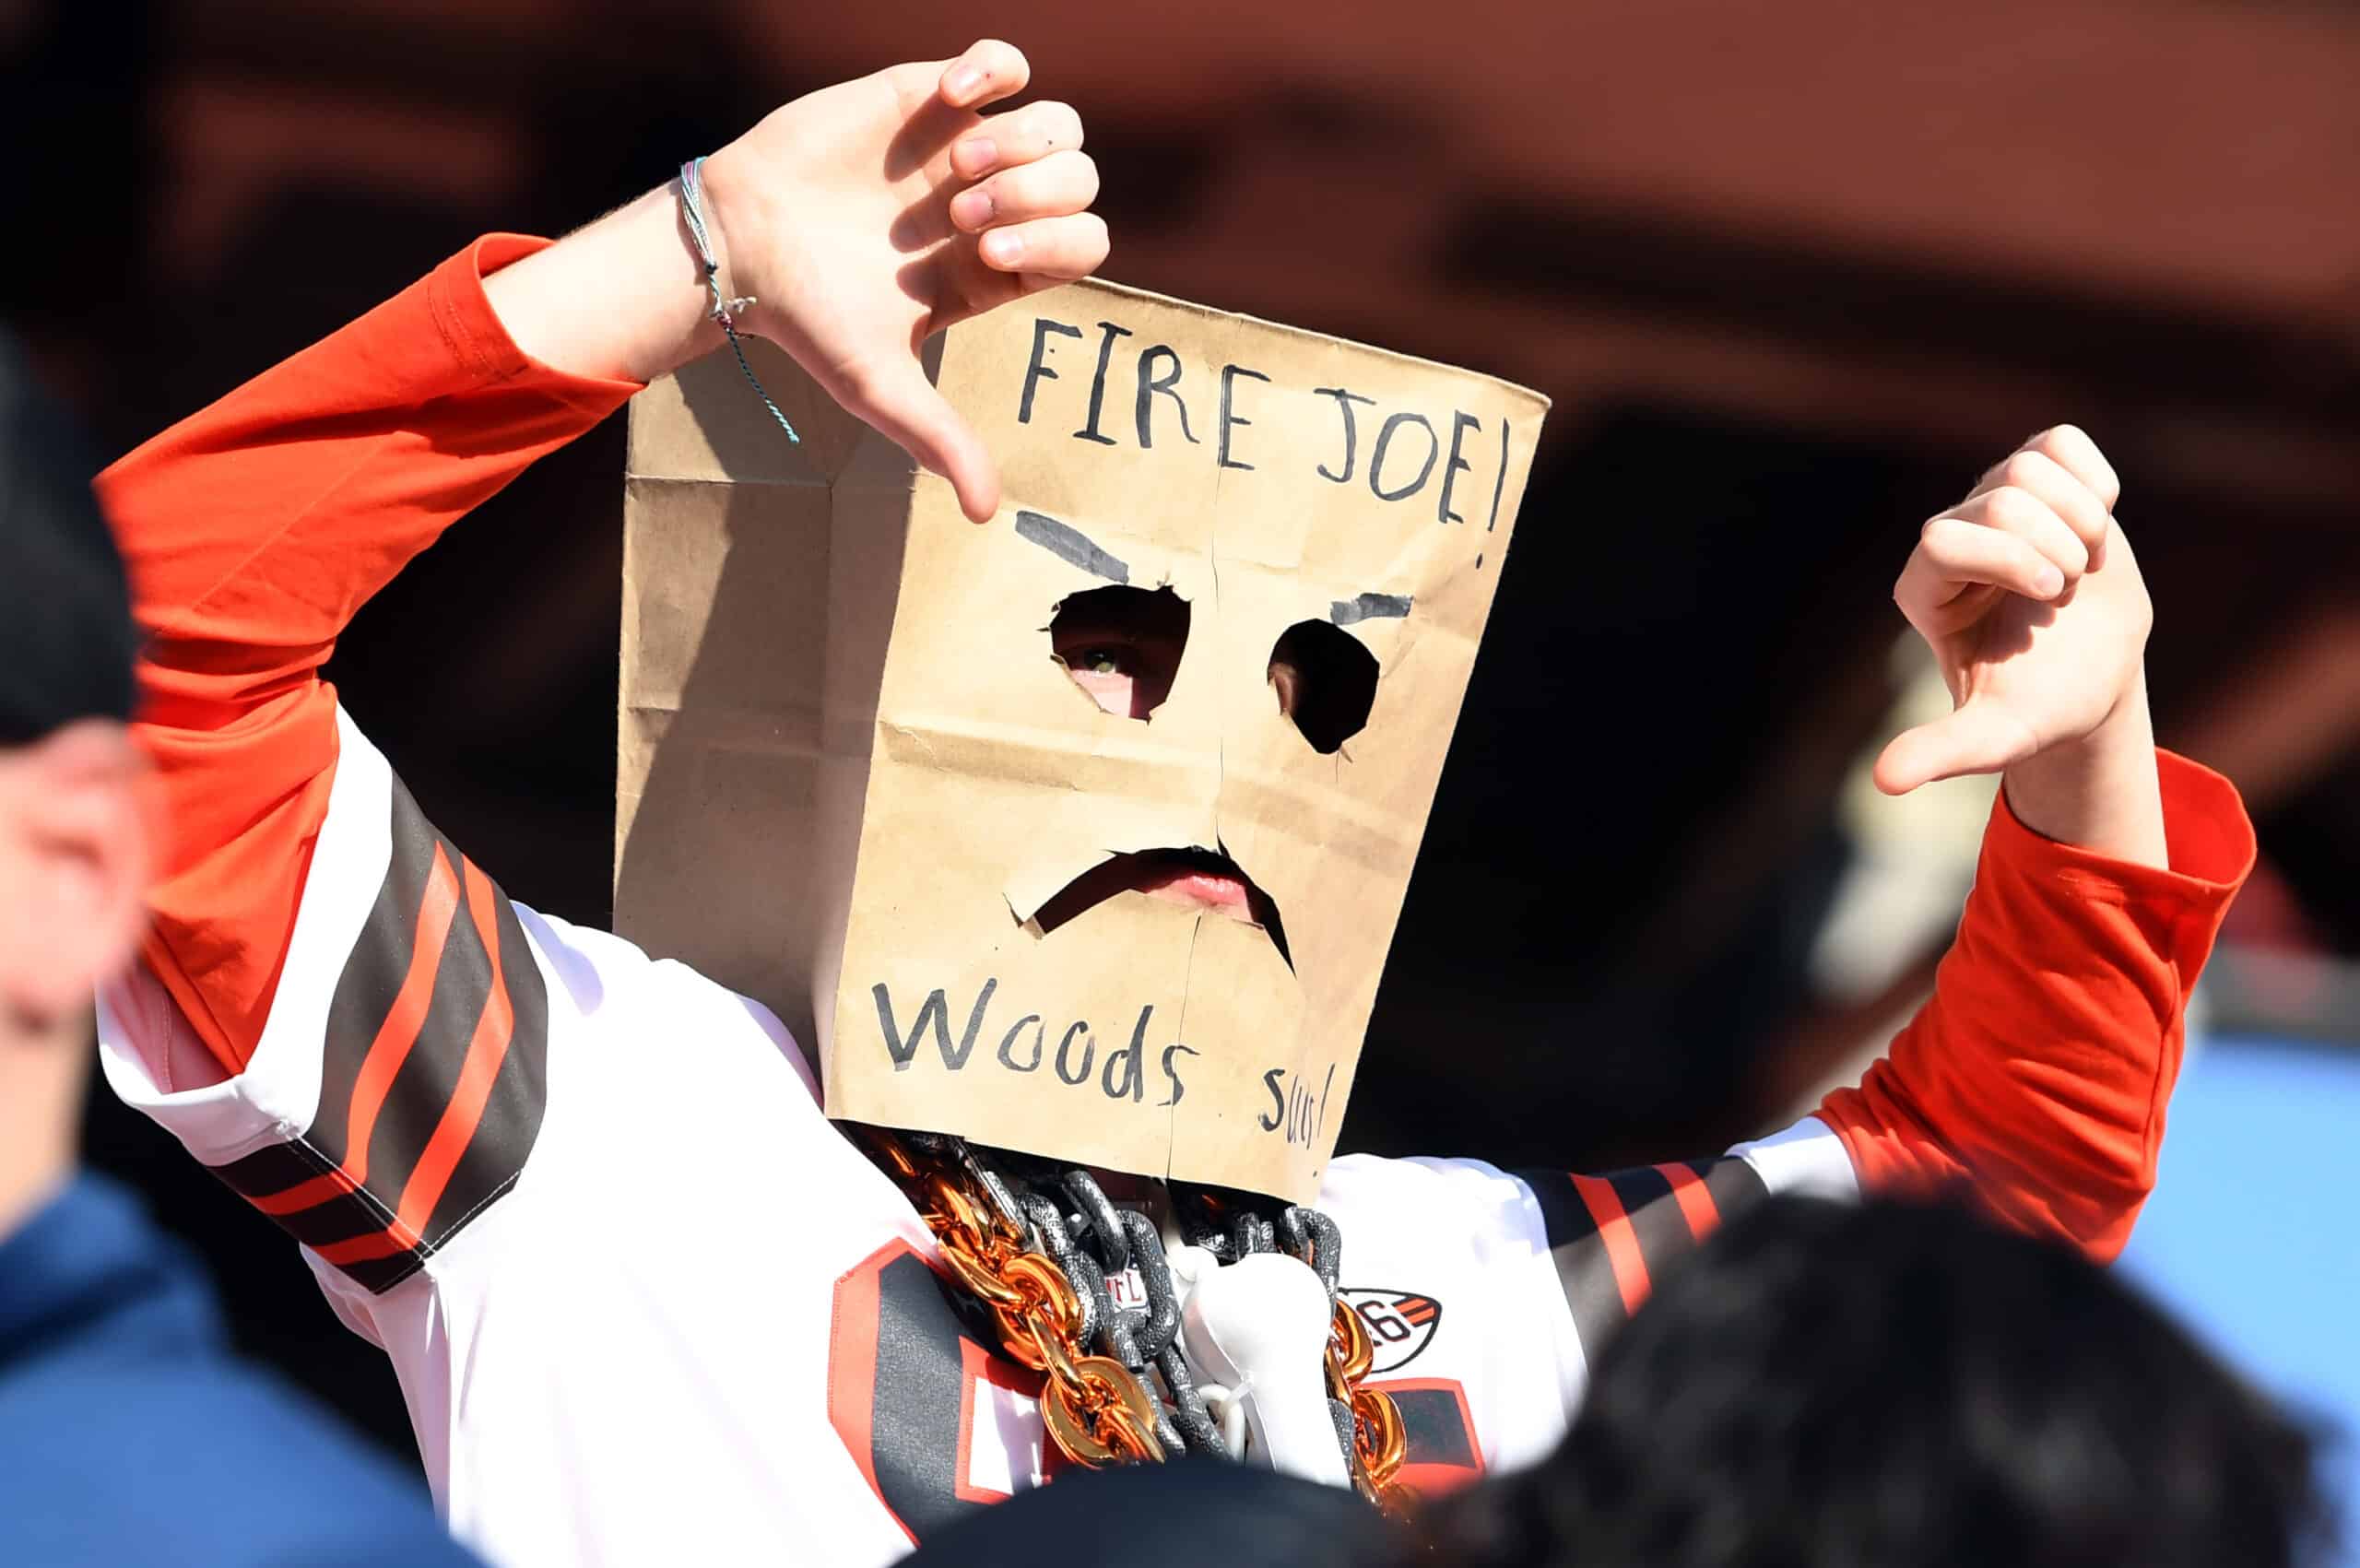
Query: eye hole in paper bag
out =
(1326, 681)
(1122, 645)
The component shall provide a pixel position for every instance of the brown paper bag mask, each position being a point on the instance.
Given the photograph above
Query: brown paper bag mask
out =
(854, 782)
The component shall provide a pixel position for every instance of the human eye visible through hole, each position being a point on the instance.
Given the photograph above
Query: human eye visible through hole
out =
(1121, 645)
(1326, 681)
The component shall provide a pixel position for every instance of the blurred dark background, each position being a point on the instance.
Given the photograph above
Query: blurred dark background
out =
(1793, 276)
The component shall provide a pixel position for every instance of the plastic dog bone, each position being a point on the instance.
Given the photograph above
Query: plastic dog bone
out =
(1260, 1326)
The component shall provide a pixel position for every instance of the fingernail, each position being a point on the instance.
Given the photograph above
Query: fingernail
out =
(1003, 247)
(964, 83)
(977, 153)
(2048, 580)
(972, 209)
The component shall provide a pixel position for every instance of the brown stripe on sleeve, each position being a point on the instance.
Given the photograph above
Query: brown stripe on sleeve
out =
(492, 1114)
(1735, 1185)
(433, 1074)
(1658, 1222)
(1584, 1268)
(312, 1200)
(1695, 1198)
(1614, 1237)
(509, 1120)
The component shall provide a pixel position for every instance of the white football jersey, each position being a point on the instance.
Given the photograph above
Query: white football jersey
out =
(647, 1304)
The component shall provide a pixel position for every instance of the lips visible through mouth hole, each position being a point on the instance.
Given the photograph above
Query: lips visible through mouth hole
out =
(1202, 876)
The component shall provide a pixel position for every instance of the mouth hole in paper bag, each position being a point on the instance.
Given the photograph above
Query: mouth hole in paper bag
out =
(1122, 645)
(1204, 879)
(1325, 679)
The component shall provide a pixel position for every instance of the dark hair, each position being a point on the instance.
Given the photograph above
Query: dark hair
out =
(1839, 1386)
(1189, 1513)
(66, 633)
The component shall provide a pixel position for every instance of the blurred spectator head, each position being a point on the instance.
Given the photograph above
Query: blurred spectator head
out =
(1836, 1386)
(73, 841)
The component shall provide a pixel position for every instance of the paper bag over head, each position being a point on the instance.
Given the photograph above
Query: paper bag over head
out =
(852, 774)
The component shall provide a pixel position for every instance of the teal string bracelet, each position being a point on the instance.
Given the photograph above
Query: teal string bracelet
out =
(724, 309)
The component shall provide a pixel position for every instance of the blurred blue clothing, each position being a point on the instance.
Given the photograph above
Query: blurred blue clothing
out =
(130, 1432)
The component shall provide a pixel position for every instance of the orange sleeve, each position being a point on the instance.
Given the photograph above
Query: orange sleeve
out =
(253, 531)
(2039, 1071)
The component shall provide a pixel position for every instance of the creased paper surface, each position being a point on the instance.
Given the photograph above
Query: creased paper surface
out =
(851, 772)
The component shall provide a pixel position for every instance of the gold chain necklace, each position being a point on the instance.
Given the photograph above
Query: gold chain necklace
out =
(1098, 1411)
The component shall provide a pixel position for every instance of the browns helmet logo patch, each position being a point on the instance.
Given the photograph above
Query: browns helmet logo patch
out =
(1401, 1324)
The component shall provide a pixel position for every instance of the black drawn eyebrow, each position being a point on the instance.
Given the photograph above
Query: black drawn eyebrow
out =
(1070, 544)
(1369, 606)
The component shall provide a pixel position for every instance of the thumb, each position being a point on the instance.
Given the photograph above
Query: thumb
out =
(1976, 739)
(904, 406)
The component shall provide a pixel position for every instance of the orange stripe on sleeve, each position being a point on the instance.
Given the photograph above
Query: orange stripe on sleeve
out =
(1622, 1243)
(486, 1050)
(407, 1018)
(323, 1188)
(395, 1238)
(1696, 1205)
